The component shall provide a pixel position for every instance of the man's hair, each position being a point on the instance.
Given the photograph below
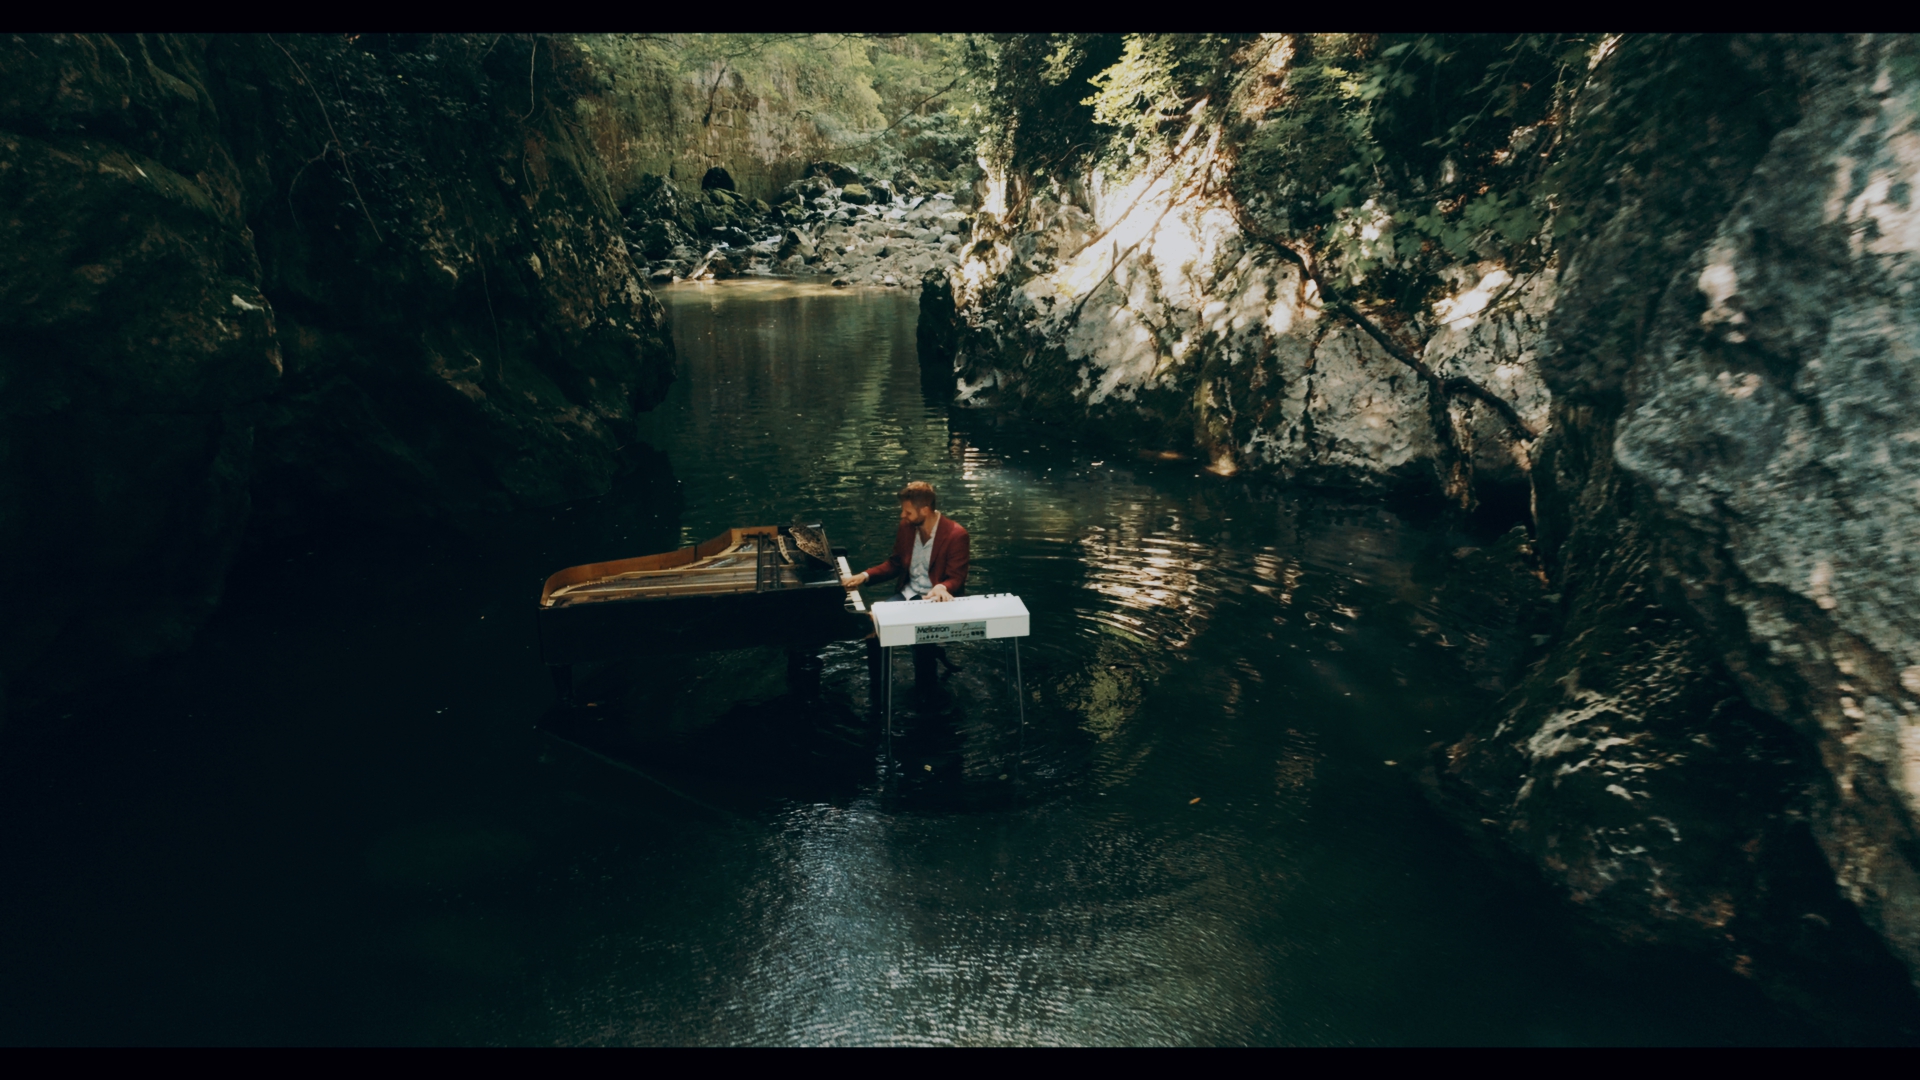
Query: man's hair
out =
(920, 493)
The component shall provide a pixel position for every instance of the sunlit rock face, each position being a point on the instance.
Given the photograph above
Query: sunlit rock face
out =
(212, 316)
(1140, 311)
(1729, 724)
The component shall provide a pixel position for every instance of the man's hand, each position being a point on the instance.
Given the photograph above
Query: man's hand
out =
(853, 582)
(939, 593)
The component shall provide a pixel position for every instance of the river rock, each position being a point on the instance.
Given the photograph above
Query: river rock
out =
(660, 239)
(656, 199)
(835, 173)
(794, 242)
(856, 194)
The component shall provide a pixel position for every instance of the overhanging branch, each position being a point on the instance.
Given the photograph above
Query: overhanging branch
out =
(1458, 384)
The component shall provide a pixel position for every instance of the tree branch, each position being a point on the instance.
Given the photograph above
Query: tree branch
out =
(915, 107)
(1458, 384)
(713, 93)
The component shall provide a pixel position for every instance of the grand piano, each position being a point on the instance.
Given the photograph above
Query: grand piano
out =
(750, 587)
(747, 587)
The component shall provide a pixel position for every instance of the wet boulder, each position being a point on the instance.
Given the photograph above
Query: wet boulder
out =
(655, 198)
(839, 175)
(857, 194)
(658, 239)
(794, 242)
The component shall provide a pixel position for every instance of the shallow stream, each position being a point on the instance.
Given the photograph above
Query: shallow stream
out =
(337, 821)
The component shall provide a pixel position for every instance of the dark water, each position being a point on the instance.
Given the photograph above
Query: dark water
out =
(335, 821)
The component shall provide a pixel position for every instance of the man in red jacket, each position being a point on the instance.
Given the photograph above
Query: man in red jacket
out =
(932, 552)
(930, 549)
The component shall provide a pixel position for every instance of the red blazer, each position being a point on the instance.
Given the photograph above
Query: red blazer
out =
(946, 564)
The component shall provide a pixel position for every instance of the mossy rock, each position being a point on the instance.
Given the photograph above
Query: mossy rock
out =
(856, 194)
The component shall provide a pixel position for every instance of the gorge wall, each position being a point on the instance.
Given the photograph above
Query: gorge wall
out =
(273, 284)
(1730, 508)
(280, 283)
(1143, 312)
(1718, 747)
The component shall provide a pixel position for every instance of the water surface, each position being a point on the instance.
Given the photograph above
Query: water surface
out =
(336, 821)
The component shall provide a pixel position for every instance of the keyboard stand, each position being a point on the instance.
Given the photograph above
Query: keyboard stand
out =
(966, 618)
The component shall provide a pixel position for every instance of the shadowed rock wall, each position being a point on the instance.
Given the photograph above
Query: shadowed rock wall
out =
(1720, 749)
(330, 279)
(1729, 722)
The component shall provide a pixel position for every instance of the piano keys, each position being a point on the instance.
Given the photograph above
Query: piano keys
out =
(964, 618)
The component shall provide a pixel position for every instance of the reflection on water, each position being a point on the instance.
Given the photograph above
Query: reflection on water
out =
(335, 823)
(1200, 836)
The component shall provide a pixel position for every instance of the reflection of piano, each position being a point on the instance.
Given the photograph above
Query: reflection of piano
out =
(744, 588)
(964, 618)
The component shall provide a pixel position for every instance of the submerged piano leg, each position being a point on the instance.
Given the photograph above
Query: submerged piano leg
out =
(875, 657)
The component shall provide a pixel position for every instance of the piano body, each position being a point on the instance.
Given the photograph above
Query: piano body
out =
(744, 588)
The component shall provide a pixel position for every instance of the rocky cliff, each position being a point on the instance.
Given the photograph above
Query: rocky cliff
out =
(288, 281)
(1143, 312)
(1729, 722)
(1718, 749)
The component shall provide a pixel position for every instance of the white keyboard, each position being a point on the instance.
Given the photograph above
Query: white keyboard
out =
(964, 618)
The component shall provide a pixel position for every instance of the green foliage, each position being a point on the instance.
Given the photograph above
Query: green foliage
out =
(881, 101)
(1036, 120)
(926, 85)
(1396, 156)
(1392, 157)
(1149, 95)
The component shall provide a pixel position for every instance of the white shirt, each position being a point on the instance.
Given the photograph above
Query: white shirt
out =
(918, 581)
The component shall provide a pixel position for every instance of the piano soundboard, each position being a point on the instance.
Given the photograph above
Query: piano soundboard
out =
(964, 618)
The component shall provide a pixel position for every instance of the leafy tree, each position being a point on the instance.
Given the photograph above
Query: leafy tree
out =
(878, 100)
(1396, 156)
